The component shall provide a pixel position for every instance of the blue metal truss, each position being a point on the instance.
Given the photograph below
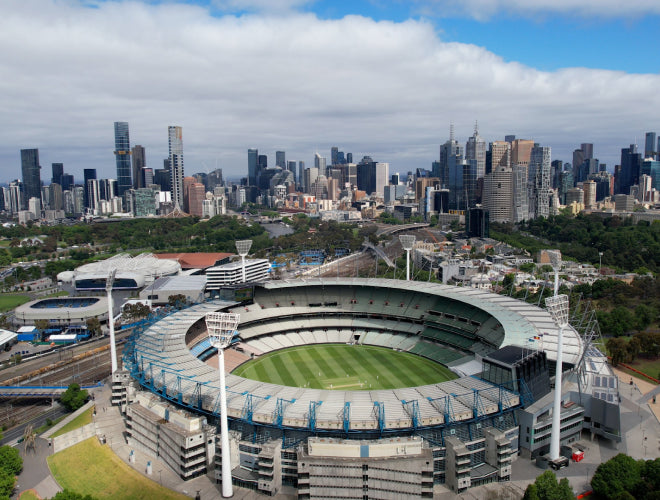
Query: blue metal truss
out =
(478, 409)
(347, 416)
(379, 409)
(280, 408)
(313, 405)
(412, 408)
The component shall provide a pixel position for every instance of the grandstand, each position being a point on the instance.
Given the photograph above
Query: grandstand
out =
(449, 325)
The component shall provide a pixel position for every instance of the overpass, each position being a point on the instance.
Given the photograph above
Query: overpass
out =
(400, 228)
(37, 391)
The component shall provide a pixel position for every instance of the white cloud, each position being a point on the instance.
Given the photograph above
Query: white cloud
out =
(290, 82)
(484, 9)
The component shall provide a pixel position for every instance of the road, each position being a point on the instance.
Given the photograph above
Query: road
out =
(15, 433)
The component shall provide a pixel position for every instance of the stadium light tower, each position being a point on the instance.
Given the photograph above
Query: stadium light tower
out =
(221, 328)
(557, 305)
(243, 247)
(407, 241)
(111, 322)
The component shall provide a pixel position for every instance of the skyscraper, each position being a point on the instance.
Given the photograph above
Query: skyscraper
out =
(58, 172)
(631, 165)
(498, 194)
(89, 174)
(475, 149)
(449, 149)
(31, 175)
(280, 159)
(123, 158)
(139, 163)
(649, 146)
(253, 158)
(175, 142)
(538, 177)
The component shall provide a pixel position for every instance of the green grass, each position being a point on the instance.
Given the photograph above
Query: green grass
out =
(47, 426)
(9, 301)
(89, 468)
(83, 419)
(344, 367)
(29, 495)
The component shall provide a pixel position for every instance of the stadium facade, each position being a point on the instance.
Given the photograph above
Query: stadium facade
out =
(460, 433)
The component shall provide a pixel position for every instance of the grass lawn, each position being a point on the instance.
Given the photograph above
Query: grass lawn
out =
(9, 301)
(83, 419)
(344, 367)
(89, 468)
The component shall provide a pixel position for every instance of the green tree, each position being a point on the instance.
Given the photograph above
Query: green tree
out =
(617, 475)
(73, 398)
(546, 487)
(10, 460)
(7, 482)
(94, 326)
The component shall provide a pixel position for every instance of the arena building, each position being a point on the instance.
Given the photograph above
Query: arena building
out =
(62, 311)
(460, 433)
(132, 273)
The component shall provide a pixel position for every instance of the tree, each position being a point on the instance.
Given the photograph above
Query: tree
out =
(41, 325)
(10, 460)
(73, 398)
(178, 301)
(617, 475)
(7, 482)
(546, 487)
(94, 326)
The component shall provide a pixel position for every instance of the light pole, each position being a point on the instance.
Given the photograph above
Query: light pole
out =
(111, 323)
(557, 305)
(221, 328)
(243, 247)
(600, 261)
(407, 241)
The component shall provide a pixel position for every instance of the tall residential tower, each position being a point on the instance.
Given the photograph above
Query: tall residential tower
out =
(123, 158)
(175, 141)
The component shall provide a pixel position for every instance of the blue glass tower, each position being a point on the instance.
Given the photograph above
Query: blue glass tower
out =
(123, 158)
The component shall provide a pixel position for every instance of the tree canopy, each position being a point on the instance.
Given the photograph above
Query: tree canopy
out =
(546, 487)
(73, 398)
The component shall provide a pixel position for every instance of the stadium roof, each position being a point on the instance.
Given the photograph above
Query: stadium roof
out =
(196, 260)
(146, 264)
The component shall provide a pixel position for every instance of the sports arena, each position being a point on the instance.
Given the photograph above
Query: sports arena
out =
(460, 433)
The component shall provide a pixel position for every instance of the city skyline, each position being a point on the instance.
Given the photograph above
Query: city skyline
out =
(383, 81)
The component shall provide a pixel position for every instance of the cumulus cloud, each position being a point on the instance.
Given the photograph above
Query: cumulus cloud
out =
(484, 9)
(281, 82)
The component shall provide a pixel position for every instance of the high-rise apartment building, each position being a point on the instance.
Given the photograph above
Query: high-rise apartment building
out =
(123, 157)
(139, 164)
(498, 194)
(475, 149)
(320, 163)
(538, 177)
(30, 169)
(175, 142)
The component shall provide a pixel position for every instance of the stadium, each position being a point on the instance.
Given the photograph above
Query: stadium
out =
(460, 433)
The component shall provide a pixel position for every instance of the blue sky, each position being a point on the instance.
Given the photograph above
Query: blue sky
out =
(373, 77)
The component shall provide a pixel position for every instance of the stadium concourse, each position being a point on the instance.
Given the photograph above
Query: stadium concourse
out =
(459, 433)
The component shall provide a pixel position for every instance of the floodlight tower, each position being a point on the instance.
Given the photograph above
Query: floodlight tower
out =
(221, 328)
(243, 247)
(111, 321)
(557, 305)
(407, 241)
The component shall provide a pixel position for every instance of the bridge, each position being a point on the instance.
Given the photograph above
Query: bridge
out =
(37, 391)
(389, 230)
